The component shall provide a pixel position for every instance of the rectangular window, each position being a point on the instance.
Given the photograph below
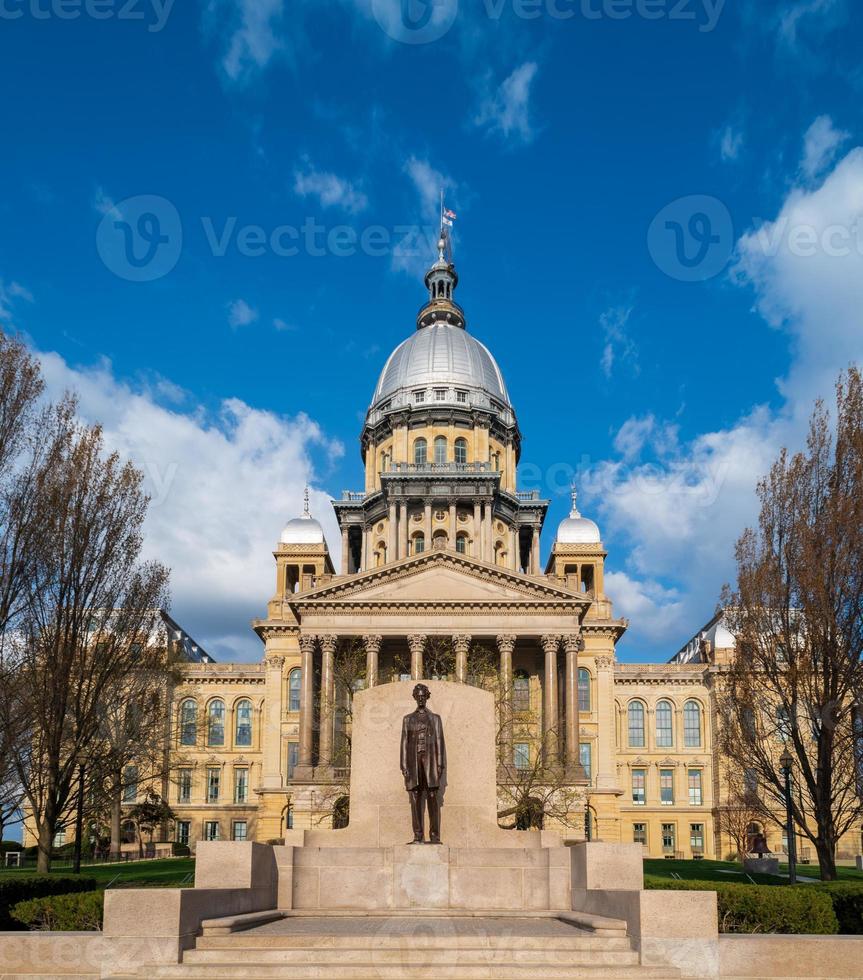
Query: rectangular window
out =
(639, 777)
(419, 397)
(696, 838)
(668, 841)
(211, 830)
(440, 394)
(666, 787)
(293, 757)
(184, 794)
(213, 779)
(130, 784)
(584, 757)
(241, 786)
(521, 755)
(461, 397)
(239, 829)
(639, 833)
(750, 781)
(695, 795)
(183, 829)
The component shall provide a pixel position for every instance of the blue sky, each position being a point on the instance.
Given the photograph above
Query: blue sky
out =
(657, 238)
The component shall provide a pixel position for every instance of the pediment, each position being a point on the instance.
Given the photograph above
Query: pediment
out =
(440, 577)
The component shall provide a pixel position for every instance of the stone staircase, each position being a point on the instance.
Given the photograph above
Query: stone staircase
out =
(412, 946)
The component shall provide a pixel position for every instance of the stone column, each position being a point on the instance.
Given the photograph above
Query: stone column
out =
(534, 552)
(570, 645)
(428, 525)
(373, 649)
(461, 643)
(477, 529)
(417, 641)
(307, 698)
(403, 529)
(514, 548)
(606, 769)
(392, 533)
(550, 733)
(453, 528)
(488, 543)
(272, 734)
(505, 646)
(346, 559)
(364, 556)
(328, 697)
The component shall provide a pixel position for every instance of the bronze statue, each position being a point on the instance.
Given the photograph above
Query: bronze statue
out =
(423, 760)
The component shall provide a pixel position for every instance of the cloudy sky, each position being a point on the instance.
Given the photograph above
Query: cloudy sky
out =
(214, 219)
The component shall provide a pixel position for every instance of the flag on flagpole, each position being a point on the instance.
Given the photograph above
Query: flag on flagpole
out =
(448, 213)
(446, 222)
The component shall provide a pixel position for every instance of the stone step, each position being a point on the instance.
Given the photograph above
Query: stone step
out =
(336, 968)
(432, 959)
(238, 923)
(249, 941)
(599, 925)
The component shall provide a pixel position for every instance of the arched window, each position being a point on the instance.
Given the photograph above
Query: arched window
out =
(188, 722)
(461, 544)
(583, 689)
(294, 681)
(216, 723)
(521, 691)
(420, 451)
(243, 733)
(460, 448)
(664, 729)
(440, 450)
(636, 724)
(419, 543)
(692, 725)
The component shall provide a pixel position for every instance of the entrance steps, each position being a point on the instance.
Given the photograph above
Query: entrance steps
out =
(414, 947)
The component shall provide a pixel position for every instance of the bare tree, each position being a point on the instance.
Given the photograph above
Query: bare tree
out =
(797, 612)
(90, 609)
(741, 807)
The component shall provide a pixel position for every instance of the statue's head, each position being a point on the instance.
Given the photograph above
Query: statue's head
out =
(421, 695)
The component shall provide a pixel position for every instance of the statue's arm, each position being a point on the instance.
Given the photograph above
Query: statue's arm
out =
(404, 747)
(442, 744)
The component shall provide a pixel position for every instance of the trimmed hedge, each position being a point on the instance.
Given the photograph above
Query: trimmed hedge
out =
(795, 910)
(81, 912)
(20, 888)
(847, 899)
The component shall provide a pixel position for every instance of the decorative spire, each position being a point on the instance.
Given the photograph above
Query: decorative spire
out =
(574, 494)
(442, 279)
(306, 513)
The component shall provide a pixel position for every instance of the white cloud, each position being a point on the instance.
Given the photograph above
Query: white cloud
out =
(507, 109)
(816, 16)
(330, 190)
(682, 509)
(240, 314)
(619, 346)
(730, 143)
(250, 34)
(820, 146)
(222, 488)
(414, 251)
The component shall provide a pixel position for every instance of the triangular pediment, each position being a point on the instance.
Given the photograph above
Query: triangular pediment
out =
(440, 576)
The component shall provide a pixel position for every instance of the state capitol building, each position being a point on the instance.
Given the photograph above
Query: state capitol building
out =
(441, 578)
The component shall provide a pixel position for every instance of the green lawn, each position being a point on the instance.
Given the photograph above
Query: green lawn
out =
(730, 871)
(135, 874)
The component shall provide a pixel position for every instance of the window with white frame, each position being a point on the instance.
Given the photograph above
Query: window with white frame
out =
(666, 787)
(635, 715)
(183, 831)
(695, 795)
(214, 777)
(692, 725)
(130, 784)
(184, 787)
(241, 785)
(668, 838)
(211, 830)
(294, 685)
(239, 830)
(243, 733)
(585, 758)
(639, 779)
(521, 755)
(696, 838)
(664, 725)
(639, 833)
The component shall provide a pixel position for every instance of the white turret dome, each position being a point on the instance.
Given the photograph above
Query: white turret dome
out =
(303, 530)
(576, 529)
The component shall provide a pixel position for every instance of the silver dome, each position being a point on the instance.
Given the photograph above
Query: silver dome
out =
(441, 354)
(302, 530)
(576, 529)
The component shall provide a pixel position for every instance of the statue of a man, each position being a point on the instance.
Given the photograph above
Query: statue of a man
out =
(423, 760)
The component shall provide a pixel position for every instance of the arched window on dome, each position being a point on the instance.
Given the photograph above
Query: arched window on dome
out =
(664, 725)
(635, 719)
(420, 451)
(188, 722)
(419, 543)
(295, 680)
(460, 450)
(440, 450)
(216, 723)
(243, 725)
(692, 725)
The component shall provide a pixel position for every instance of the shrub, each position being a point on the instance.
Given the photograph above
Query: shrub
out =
(847, 899)
(10, 845)
(81, 912)
(801, 909)
(20, 888)
(180, 850)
